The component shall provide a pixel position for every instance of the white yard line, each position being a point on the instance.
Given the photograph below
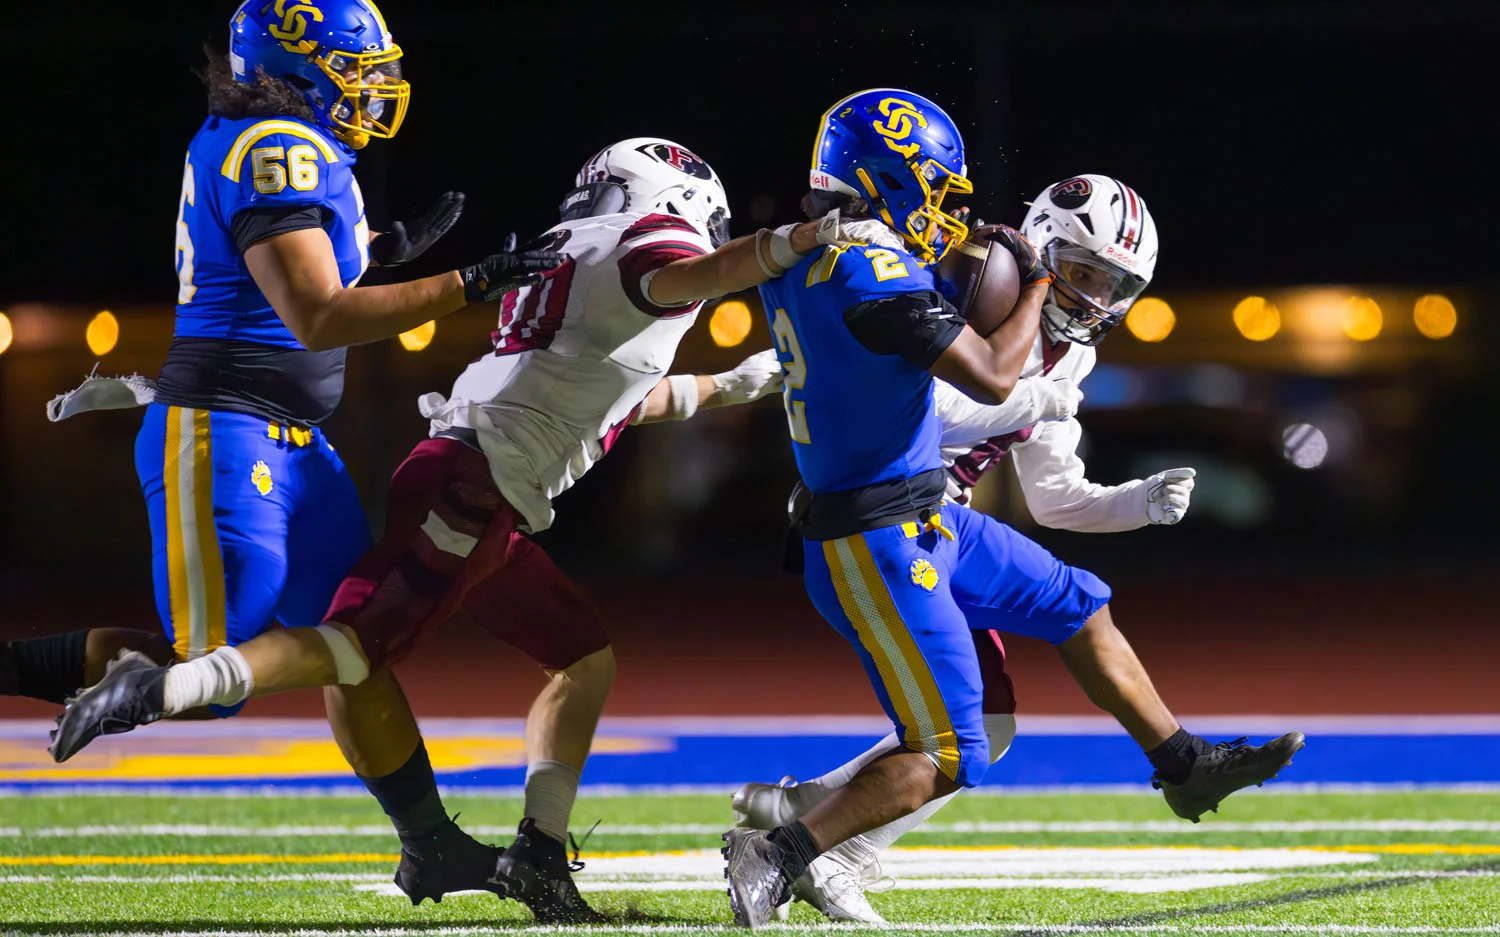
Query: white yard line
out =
(291, 790)
(191, 830)
(903, 928)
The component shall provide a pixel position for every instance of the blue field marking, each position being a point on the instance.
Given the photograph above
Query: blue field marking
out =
(715, 754)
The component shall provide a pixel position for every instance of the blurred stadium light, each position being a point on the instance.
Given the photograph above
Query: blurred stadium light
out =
(729, 325)
(1257, 318)
(419, 337)
(1150, 319)
(6, 332)
(1361, 318)
(103, 333)
(1435, 316)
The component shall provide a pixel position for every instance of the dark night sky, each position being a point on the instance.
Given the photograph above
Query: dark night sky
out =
(1278, 144)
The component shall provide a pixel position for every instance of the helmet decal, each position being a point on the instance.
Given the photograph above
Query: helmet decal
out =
(678, 158)
(1073, 193)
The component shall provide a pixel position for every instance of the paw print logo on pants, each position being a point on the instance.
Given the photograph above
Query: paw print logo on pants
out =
(923, 574)
(260, 477)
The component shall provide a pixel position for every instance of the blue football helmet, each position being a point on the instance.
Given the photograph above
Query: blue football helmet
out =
(901, 154)
(338, 53)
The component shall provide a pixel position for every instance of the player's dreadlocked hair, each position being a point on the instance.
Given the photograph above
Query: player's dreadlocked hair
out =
(267, 97)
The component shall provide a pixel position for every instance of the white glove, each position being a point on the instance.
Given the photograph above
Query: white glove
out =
(1057, 399)
(755, 377)
(1167, 495)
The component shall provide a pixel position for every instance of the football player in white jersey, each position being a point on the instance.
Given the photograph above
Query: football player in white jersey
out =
(574, 356)
(1098, 240)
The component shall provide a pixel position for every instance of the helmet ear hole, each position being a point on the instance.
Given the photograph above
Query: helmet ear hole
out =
(891, 182)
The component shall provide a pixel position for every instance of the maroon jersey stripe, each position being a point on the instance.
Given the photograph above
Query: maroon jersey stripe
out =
(646, 258)
(654, 223)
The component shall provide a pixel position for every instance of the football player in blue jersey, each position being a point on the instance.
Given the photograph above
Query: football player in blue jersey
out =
(861, 330)
(254, 518)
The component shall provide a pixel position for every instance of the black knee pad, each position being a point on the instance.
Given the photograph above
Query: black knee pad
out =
(49, 668)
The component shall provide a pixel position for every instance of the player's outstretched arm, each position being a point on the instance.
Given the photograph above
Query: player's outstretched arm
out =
(1034, 400)
(298, 273)
(1060, 495)
(679, 396)
(740, 264)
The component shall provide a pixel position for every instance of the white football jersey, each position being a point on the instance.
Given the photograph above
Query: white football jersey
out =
(976, 437)
(573, 357)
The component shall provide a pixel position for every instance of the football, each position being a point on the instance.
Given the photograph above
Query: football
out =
(987, 280)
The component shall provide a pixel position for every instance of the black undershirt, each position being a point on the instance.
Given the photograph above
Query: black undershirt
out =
(285, 385)
(919, 327)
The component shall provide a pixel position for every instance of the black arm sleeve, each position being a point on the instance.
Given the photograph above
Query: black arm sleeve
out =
(917, 326)
(254, 225)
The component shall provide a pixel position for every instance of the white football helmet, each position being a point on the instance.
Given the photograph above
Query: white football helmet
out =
(1096, 236)
(659, 175)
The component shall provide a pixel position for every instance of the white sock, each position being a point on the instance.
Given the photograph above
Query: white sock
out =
(859, 851)
(551, 788)
(221, 678)
(809, 794)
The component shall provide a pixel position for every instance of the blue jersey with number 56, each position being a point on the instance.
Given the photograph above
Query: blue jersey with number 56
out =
(251, 163)
(856, 418)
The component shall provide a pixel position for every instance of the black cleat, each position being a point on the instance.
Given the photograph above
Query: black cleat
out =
(1224, 769)
(447, 861)
(757, 885)
(130, 695)
(535, 871)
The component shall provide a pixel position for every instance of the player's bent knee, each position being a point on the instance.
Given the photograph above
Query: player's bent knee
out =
(595, 671)
(349, 664)
(964, 762)
(1000, 729)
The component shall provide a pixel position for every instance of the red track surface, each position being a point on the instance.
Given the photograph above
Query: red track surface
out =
(758, 648)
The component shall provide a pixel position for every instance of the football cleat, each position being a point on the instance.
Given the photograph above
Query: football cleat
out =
(130, 694)
(764, 806)
(447, 861)
(838, 890)
(535, 871)
(1224, 769)
(757, 886)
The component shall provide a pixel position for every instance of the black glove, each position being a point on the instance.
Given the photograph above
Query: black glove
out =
(1028, 264)
(508, 270)
(409, 240)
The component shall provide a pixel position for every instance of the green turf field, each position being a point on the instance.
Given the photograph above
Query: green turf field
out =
(1377, 863)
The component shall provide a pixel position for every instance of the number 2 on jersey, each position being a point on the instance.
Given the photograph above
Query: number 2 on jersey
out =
(887, 265)
(796, 376)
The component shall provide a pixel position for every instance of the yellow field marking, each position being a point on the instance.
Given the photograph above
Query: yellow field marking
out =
(1417, 849)
(232, 758)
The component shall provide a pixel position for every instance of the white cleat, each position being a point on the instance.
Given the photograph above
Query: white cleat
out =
(839, 891)
(764, 806)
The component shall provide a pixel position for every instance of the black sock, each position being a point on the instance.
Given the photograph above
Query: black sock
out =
(409, 796)
(1173, 759)
(49, 668)
(797, 849)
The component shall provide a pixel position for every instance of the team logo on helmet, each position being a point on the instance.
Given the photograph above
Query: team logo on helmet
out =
(678, 158)
(1071, 194)
(898, 124)
(294, 23)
